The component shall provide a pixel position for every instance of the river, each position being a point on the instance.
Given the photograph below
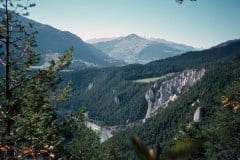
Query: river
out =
(104, 132)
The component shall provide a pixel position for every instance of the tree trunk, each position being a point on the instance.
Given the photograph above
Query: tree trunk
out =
(7, 70)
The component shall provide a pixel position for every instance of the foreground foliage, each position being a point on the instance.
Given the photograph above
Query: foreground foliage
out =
(28, 127)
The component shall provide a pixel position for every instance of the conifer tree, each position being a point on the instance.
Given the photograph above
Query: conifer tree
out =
(82, 142)
(27, 120)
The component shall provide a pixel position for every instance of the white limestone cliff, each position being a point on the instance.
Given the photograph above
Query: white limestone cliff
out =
(197, 115)
(116, 100)
(90, 86)
(161, 94)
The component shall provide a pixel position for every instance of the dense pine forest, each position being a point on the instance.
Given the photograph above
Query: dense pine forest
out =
(221, 79)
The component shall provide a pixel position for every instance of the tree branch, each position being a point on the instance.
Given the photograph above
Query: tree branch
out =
(1, 61)
(3, 41)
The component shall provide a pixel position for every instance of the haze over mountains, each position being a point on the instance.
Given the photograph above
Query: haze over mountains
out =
(106, 52)
(136, 49)
(97, 40)
(103, 52)
(51, 41)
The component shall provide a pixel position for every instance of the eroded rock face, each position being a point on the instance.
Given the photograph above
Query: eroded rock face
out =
(197, 115)
(116, 100)
(161, 94)
(90, 86)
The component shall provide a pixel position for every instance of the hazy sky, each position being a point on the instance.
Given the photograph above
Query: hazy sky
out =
(201, 24)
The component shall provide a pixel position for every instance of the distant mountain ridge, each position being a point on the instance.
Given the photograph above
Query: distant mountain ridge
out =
(97, 40)
(137, 49)
(227, 43)
(51, 40)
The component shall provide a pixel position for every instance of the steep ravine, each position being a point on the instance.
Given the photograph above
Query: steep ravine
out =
(160, 94)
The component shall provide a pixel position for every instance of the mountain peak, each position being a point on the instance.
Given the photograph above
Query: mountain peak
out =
(133, 36)
(136, 49)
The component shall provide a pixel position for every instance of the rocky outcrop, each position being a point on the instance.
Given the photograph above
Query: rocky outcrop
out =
(197, 115)
(195, 103)
(161, 94)
(90, 86)
(116, 100)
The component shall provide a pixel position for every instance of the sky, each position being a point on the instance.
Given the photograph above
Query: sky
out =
(201, 24)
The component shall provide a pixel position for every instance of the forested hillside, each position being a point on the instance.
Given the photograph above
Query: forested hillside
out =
(121, 101)
(222, 78)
